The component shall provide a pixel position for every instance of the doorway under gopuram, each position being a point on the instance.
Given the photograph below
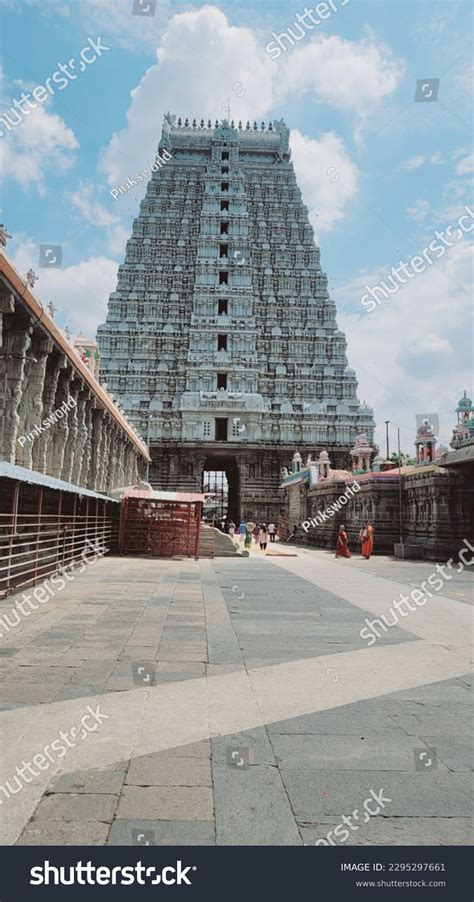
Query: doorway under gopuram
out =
(220, 478)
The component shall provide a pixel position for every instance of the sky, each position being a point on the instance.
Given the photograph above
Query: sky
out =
(378, 99)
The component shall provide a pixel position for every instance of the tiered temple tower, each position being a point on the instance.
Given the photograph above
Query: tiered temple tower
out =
(221, 339)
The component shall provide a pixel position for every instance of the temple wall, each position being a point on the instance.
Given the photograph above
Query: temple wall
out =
(437, 512)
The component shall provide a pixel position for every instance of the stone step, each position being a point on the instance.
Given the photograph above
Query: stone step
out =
(214, 543)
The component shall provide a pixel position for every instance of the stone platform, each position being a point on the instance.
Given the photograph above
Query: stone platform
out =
(240, 705)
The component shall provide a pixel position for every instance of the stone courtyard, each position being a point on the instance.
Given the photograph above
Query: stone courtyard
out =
(240, 705)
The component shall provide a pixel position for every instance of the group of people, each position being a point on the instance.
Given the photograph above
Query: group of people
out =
(260, 532)
(366, 539)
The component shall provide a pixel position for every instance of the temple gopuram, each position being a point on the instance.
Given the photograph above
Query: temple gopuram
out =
(221, 342)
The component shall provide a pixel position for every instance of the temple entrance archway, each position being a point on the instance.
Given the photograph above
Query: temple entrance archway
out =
(221, 477)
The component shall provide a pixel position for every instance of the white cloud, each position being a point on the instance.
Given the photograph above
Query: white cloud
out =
(80, 292)
(326, 175)
(115, 18)
(419, 211)
(201, 56)
(112, 17)
(413, 163)
(54, 8)
(430, 343)
(464, 74)
(41, 143)
(412, 353)
(353, 77)
(96, 214)
(465, 166)
(221, 56)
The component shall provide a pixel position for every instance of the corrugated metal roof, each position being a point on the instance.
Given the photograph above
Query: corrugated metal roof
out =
(11, 471)
(162, 496)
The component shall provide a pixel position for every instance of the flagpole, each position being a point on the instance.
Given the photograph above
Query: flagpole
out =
(400, 489)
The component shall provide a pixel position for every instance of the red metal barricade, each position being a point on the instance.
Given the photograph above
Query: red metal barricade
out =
(160, 524)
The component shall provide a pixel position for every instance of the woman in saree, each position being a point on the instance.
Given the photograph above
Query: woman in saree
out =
(367, 539)
(248, 538)
(342, 547)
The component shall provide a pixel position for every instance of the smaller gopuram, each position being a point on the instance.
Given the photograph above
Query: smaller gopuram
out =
(425, 443)
(361, 455)
(463, 432)
(88, 351)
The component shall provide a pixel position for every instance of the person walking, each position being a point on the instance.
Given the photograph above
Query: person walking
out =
(263, 538)
(342, 547)
(366, 537)
(271, 531)
(242, 531)
(248, 538)
(231, 529)
(256, 533)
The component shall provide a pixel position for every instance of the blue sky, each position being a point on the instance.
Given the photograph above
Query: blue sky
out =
(379, 171)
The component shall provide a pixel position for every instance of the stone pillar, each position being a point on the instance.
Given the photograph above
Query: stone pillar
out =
(83, 476)
(199, 464)
(121, 458)
(7, 306)
(116, 445)
(130, 474)
(31, 411)
(135, 471)
(113, 467)
(98, 417)
(105, 454)
(54, 364)
(16, 344)
(116, 476)
(82, 435)
(71, 448)
(111, 459)
(60, 430)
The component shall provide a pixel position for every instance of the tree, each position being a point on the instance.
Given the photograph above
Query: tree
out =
(405, 459)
